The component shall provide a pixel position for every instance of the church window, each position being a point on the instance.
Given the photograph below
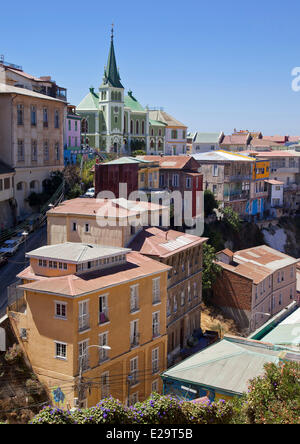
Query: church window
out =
(131, 126)
(137, 127)
(143, 127)
(112, 96)
(84, 126)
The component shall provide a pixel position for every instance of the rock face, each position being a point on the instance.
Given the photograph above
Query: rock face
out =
(285, 236)
(276, 238)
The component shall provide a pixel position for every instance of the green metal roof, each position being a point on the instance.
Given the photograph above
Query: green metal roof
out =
(90, 102)
(122, 161)
(206, 138)
(226, 366)
(132, 103)
(111, 73)
(157, 123)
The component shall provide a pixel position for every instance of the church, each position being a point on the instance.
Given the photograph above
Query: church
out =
(113, 122)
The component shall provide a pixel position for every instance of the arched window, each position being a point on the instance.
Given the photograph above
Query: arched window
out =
(125, 129)
(143, 127)
(32, 184)
(137, 127)
(119, 97)
(159, 144)
(152, 132)
(20, 186)
(84, 126)
(152, 144)
(112, 96)
(131, 126)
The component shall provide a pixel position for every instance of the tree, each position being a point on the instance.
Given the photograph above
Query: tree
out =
(231, 218)
(210, 271)
(210, 203)
(274, 398)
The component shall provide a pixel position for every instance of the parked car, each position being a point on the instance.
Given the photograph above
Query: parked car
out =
(10, 246)
(90, 192)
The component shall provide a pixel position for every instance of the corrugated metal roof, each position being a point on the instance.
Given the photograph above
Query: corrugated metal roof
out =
(222, 155)
(227, 365)
(76, 252)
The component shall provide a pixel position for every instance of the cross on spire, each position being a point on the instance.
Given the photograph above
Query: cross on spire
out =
(112, 30)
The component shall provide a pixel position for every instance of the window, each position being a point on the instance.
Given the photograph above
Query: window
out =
(182, 298)
(134, 298)
(195, 290)
(83, 356)
(69, 124)
(74, 227)
(6, 183)
(188, 182)
(32, 185)
(280, 299)
(154, 386)
(105, 385)
(174, 134)
(61, 310)
(103, 309)
(33, 150)
(155, 360)
(83, 316)
(189, 293)
(46, 151)
(133, 371)
(56, 119)
(137, 128)
(168, 307)
(45, 118)
(60, 350)
(215, 170)
(20, 114)
(20, 186)
(175, 304)
(175, 180)
(57, 151)
(21, 154)
(33, 115)
(155, 324)
(76, 125)
(87, 228)
(143, 127)
(103, 341)
(134, 333)
(134, 398)
(156, 290)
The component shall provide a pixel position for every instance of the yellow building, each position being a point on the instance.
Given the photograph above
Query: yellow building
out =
(148, 175)
(76, 299)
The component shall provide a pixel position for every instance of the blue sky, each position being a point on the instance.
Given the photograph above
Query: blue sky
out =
(214, 65)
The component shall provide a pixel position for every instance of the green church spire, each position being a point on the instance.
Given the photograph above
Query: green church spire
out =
(111, 74)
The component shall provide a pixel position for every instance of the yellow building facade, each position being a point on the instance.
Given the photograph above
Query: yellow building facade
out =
(70, 310)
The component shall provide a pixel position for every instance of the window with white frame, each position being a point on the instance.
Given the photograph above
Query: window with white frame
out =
(103, 341)
(60, 310)
(105, 385)
(83, 316)
(155, 324)
(134, 333)
(61, 350)
(103, 309)
(155, 360)
(175, 180)
(134, 398)
(182, 298)
(215, 170)
(83, 355)
(134, 298)
(154, 386)
(195, 290)
(156, 290)
(133, 371)
(188, 182)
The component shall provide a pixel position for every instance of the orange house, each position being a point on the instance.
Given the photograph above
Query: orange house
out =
(92, 321)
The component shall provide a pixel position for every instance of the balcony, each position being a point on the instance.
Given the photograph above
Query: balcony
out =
(83, 323)
(103, 316)
(237, 178)
(244, 195)
(133, 378)
(135, 340)
(134, 307)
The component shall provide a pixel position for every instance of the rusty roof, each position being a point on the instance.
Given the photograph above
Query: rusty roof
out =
(164, 243)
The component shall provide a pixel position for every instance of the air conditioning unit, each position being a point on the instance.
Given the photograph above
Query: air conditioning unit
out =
(76, 402)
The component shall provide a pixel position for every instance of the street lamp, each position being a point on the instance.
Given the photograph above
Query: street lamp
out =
(25, 234)
(253, 317)
(80, 387)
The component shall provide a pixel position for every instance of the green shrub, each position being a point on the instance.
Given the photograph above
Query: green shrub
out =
(107, 411)
(158, 410)
(206, 412)
(52, 415)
